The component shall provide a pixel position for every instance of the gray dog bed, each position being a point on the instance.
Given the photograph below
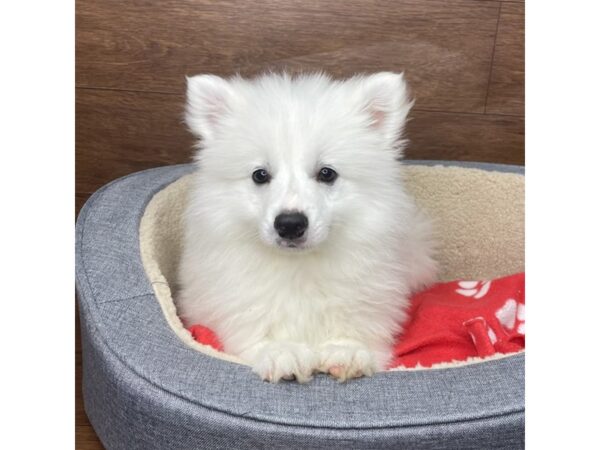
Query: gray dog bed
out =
(147, 384)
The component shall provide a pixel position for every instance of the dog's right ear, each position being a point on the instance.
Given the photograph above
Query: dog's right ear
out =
(209, 100)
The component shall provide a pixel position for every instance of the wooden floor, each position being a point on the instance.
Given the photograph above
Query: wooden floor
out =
(464, 60)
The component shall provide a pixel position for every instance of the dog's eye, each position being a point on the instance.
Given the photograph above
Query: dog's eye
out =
(261, 176)
(327, 175)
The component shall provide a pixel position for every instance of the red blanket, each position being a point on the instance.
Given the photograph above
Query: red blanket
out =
(452, 322)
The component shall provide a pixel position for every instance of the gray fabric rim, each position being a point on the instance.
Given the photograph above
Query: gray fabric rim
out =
(122, 315)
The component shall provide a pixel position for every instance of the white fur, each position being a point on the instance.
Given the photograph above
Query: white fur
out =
(336, 304)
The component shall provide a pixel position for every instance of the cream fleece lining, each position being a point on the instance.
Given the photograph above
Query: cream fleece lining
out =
(479, 218)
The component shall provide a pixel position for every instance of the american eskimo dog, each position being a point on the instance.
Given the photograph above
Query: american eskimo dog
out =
(301, 246)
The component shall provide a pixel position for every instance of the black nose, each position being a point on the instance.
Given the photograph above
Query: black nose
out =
(291, 225)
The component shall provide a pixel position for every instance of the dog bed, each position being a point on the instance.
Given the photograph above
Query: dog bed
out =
(148, 384)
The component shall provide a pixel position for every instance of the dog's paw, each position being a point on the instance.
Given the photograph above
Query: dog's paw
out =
(346, 359)
(275, 361)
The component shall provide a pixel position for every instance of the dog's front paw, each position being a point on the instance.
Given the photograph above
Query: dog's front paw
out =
(346, 359)
(278, 360)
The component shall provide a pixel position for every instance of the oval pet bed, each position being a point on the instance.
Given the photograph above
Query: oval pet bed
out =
(148, 384)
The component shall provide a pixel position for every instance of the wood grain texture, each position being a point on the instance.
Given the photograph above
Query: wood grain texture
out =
(118, 133)
(466, 137)
(445, 47)
(507, 82)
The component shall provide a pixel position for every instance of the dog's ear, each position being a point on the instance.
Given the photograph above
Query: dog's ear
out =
(209, 99)
(386, 98)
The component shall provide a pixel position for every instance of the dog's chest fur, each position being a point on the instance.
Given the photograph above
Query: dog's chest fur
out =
(251, 292)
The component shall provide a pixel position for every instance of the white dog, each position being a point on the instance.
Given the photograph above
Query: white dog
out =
(301, 245)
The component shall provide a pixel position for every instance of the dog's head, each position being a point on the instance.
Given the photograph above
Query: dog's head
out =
(296, 161)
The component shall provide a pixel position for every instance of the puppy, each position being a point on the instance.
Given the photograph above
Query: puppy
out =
(301, 246)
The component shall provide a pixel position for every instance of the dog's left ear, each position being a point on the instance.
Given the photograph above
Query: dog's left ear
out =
(386, 98)
(209, 99)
